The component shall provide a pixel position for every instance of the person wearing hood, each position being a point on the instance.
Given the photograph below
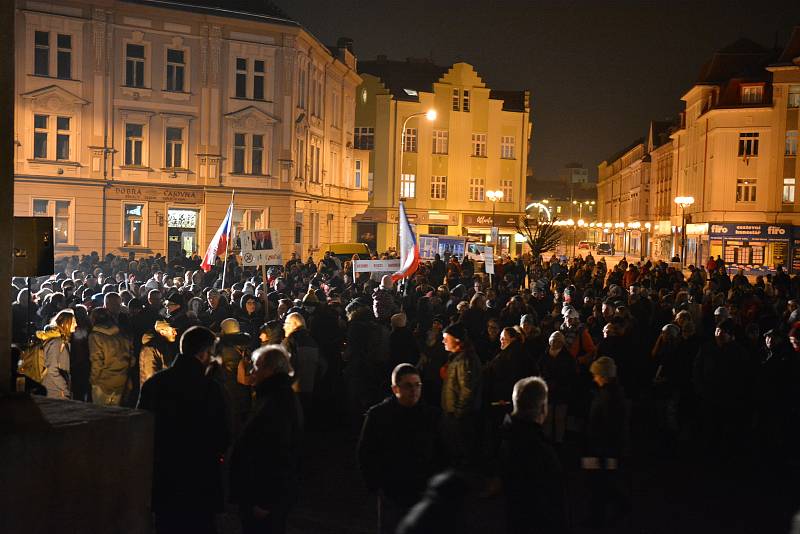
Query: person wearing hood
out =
(305, 359)
(533, 478)
(57, 338)
(233, 346)
(111, 358)
(158, 350)
(250, 316)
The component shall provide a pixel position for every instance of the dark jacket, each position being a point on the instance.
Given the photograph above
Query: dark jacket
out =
(461, 387)
(305, 358)
(264, 461)
(560, 374)
(399, 449)
(606, 434)
(533, 479)
(402, 347)
(500, 374)
(191, 435)
(231, 348)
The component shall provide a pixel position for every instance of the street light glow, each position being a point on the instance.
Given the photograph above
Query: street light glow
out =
(431, 115)
(684, 202)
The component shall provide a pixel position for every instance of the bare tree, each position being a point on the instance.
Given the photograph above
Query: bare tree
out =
(541, 234)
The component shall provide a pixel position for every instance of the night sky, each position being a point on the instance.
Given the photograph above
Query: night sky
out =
(598, 71)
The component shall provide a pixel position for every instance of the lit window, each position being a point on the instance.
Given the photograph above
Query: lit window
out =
(477, 188)
(507, 143)
(748, 144)
(41, 53)
(132, 229)
(752, 94)
(791, 143)
(438, 187)
(133, 144)
(465, 100)
(788, 190)
(456, 100)
(174, 148)
(175, 69)
(441, 139)
(507, 187)
(408, 184)
(357, 174)
(479, 145)
(60, 211)
(410, 92)
(134, 65)
(410, 140)
(745, 190)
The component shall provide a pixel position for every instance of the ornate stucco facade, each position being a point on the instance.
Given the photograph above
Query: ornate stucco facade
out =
(135, 122)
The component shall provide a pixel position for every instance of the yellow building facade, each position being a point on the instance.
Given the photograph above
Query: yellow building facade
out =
(447, 167)
(135, 123)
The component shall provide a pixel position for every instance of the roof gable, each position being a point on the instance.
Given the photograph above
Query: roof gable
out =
(463, 74)
(54, 94)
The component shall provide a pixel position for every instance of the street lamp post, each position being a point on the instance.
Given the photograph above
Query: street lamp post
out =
(431, 116)
(683, 202)
(494, 197)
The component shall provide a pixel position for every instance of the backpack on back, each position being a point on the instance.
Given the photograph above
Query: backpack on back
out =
(31, 363)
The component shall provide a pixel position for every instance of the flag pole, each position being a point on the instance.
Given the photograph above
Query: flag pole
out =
(228, 240)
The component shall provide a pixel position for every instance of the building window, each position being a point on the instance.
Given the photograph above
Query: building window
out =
(748, 144)
(456, 100)
(438, 187)
(507, 187)
(745, 190)
(465, 100)
(507, 144)
(441, 139)
(239, 149)
(316, 171)
(300, 160)
(40, 136)
(241, 77)
(477, 188)
(437, 229)
(794, 96)
(408, 185)
(242, 144)
(176, 66)
(64, 56)
(479, 145)
(257, 156)
(788, 190)
(134, 140)
(336, 108)
(41, 53)
(302, 87)
(357, 174)
(315, 233)
(370, 184)
(174, 148)
(334, 177)
(752, 94)
(259, 72)
(410, 140)
(791, 143)
(62, 138)
(60, 211)
(132, 229)
(364, 138)
(134, 65)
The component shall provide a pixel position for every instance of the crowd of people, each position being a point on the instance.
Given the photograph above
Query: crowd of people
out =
(442, 374)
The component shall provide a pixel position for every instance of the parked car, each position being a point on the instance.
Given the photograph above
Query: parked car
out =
(604, 248)
(587, 245)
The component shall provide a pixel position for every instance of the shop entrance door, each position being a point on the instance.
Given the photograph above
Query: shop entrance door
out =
(182, 233)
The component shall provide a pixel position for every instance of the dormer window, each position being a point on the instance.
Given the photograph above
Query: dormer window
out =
(752, 94)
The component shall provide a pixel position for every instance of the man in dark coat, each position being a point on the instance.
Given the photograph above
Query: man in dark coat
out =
(399, 447)
(532, 475)
(191, 435)
(264, 462)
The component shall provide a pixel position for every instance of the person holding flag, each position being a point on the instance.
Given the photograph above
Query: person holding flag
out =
(220, 240)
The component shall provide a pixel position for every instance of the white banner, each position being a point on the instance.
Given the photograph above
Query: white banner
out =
(260, 247)
(488, 260)
(376, 266)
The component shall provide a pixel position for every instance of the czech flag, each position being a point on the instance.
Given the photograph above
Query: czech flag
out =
(409, 250)
(220, 241)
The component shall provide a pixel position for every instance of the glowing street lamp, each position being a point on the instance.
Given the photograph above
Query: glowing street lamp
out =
(431, 116)
(494, 197)
(683, 202)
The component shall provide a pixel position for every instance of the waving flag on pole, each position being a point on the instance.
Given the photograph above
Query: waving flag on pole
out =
(409, 250)
(220, 241)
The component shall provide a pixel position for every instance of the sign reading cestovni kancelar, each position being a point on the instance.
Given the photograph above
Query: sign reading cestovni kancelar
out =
(260, 247)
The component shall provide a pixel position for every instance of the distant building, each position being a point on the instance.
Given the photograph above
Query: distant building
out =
(135, 120)
(573, 173)
(478, 143)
